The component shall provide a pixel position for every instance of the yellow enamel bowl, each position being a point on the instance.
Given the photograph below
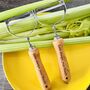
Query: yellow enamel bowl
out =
(21, 74)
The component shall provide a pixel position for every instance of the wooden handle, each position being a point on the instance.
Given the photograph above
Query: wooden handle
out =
(40, 70)
(62, 60)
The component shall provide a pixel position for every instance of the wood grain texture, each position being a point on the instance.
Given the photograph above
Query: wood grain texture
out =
(62, 59)
(39, 68)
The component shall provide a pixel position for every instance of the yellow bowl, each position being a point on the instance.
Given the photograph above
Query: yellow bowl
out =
(21, 74)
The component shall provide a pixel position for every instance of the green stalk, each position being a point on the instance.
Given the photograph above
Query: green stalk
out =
(40, 31)
(40, 44)
(35, 32)
(49, 18)
(44, 37)
(26, 8)
(72, 14)
(49, 36)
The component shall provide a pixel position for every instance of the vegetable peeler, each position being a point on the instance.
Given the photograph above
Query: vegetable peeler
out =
(35, 56)
(58, 44)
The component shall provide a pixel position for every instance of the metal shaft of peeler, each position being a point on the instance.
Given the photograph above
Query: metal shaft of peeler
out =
(58, 44)
(40, 70)
(51, 8)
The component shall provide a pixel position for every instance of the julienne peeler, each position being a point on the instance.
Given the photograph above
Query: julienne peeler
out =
(58, 44)
(35, 55)
(40, 70)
